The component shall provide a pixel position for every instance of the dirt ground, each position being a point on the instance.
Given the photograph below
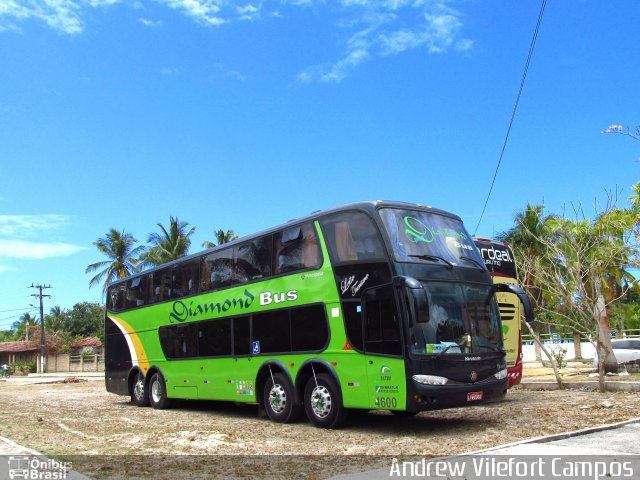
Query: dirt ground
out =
(116, 439)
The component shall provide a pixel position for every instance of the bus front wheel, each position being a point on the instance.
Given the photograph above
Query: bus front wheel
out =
(279, 401)
(158, 392)
(323, 402)
(139, 394)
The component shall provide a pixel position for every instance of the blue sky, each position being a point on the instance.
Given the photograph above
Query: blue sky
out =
(244, 115)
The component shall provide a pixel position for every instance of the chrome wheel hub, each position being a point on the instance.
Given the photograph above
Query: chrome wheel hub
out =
(321, 401)
(156, 391)
(138, 389)
(277, 398)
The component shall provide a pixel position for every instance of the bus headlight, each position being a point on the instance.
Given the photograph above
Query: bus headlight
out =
(502, 374)
(430, 379)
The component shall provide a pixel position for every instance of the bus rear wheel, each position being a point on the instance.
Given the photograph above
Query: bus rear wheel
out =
(323, 402)
(139, 394)
(158, 392)
(279, 399)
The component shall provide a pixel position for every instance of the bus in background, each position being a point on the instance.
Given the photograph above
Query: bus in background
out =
(373, 305)
(500, 261)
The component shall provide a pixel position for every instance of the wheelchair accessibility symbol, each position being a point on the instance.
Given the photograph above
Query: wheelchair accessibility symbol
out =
(255, 347)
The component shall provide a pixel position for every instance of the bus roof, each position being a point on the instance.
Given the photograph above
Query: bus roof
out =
(370, 206)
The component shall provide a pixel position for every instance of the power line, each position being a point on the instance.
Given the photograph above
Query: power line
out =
(14, 310)
(515, 108)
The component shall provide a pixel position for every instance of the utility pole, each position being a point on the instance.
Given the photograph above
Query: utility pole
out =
(43, 347)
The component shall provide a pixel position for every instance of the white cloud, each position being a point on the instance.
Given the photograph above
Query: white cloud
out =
(61, 15)
(16, 232)
(249, 12)
(26, 225)
(220, 71)
(150, 23)
(36, 250)
(204, 11)
(391, 27)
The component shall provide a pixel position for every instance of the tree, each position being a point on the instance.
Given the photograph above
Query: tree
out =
(56, 321)
(169, 244)
(527, 237)
(221, 237)
(577, 259)
(24, 327)
(85, 319)
(120, 248)
(620, 130)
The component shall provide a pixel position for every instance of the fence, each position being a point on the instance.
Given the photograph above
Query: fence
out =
(65, 363)
(554, 341)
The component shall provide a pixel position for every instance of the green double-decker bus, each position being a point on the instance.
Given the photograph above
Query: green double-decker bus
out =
(371, 305)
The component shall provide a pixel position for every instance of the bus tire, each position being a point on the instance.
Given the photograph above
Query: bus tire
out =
(279, 399)
(323, 402)
(158, 392)
(139, 394)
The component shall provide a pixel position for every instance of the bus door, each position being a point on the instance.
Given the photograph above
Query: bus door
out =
(383, 349)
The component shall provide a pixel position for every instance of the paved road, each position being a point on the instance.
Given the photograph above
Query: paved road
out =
(612, 445)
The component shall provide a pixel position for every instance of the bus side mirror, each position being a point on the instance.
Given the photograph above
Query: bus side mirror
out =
(416, 297)
(522, 296)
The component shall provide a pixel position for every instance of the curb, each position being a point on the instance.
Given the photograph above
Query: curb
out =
(20, 448)
(556, 436)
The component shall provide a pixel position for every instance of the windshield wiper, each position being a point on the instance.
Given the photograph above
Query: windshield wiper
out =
(473, 260)
(433, 257)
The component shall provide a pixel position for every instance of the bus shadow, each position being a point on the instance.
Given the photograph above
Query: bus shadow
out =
(358, 420)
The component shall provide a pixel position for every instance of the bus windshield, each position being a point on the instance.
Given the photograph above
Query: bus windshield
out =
(461, 319)
(418, 236)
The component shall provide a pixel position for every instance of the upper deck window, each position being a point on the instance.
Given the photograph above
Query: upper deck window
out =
(420, 236)
(352, 237)
(297, 248)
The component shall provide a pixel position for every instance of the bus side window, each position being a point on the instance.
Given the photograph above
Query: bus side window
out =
(297, 249)
(161, 285)
(241, 336)
(352, 236)
(217, 270)
(184, 280)
(253, 259)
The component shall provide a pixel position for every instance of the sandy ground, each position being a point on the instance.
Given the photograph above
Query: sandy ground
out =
(119, 440)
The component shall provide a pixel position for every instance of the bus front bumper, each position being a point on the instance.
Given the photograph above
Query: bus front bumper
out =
(435, 397)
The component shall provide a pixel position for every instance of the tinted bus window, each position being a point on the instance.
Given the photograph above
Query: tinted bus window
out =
(297, 248)
(309, 329)
(273, 331)
(161, 285)
(241, 336)
(184, 280)
(351, 237)
(137, 292)
(117, 297)
(217, 270)
(214, 338)
(179, 341)
(253, 259)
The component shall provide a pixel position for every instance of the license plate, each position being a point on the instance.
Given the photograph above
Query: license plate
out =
(474, 396)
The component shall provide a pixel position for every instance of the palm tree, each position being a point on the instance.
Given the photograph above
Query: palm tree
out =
(526, 238)
(221, 237)
(169, 244)
(56, 321)
(24, 326)
(119, 248)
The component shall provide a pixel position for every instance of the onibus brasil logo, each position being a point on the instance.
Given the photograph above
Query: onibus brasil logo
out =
(37, 468)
